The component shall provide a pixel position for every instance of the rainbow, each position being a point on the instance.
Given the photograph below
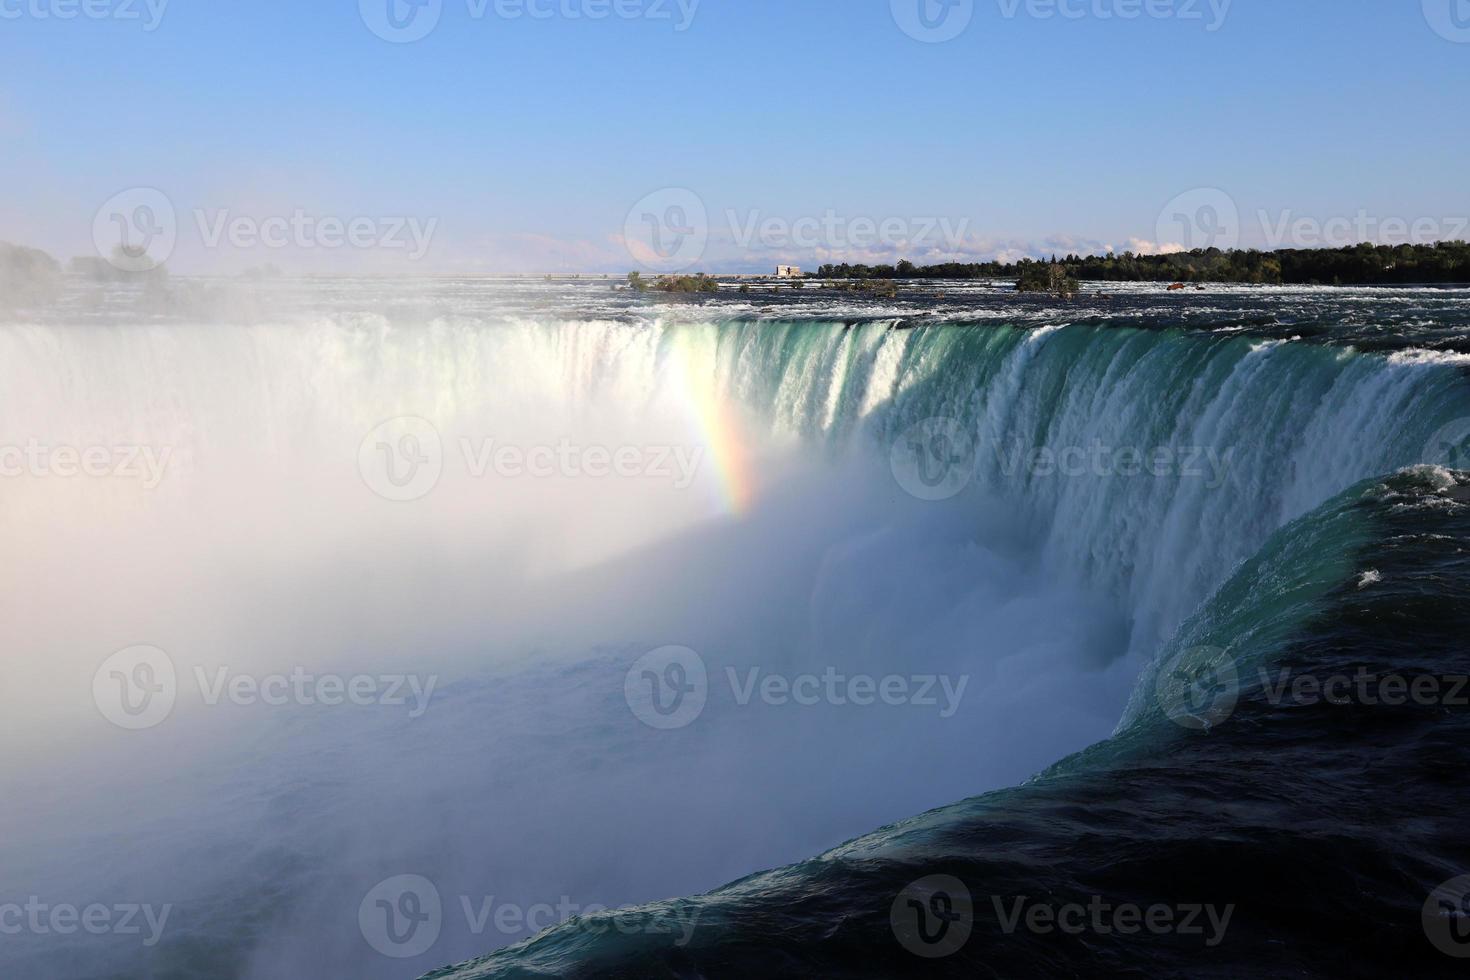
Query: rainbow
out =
(718, 424)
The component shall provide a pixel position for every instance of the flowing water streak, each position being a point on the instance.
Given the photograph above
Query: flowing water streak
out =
(1257, 433)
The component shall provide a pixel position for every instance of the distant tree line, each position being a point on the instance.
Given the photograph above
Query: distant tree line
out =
(1357, 265)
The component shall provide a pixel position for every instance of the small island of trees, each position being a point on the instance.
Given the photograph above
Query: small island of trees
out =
(700, 283)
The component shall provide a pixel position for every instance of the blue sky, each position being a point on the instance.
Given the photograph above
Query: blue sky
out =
(526, 141)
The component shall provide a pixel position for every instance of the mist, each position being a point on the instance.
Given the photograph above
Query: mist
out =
(307, 602)
(242, 527)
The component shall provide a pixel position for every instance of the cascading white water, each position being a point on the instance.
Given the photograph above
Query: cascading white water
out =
(268, 545)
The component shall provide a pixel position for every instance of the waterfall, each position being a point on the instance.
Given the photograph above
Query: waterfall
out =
(1099, 483)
